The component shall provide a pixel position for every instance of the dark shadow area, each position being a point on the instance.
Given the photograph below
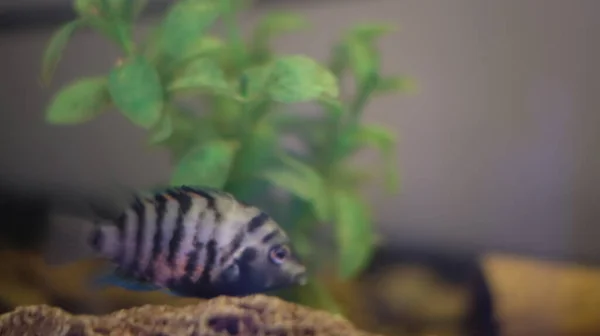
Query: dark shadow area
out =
(25, 218)
(455, 269)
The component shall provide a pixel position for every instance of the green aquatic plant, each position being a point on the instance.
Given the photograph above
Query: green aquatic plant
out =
(234, 141)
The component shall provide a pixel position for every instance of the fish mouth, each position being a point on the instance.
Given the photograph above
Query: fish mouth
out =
(301, 279)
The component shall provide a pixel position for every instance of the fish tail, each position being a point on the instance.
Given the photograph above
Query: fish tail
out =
(69, 239)
(82, 224)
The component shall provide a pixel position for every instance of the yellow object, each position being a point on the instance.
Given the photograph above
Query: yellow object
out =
(534, 297)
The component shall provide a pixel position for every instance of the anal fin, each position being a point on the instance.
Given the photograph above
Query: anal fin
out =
(117, 278)
(172, 293)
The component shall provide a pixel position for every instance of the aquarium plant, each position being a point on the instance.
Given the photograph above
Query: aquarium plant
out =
(220, 106)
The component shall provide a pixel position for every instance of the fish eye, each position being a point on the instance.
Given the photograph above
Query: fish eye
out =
(279, 253)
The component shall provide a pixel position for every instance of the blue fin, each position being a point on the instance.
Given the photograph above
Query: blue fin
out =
(172, 293)
(118, 279)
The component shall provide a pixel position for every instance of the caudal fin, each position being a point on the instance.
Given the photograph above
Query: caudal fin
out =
(67, 239)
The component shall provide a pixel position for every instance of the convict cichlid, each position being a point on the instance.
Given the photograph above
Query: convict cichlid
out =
(190, 241)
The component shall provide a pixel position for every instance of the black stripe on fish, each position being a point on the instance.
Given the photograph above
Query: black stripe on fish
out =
(258, 221)
(211, 202)
(205, 191)
(271, 235)
(235, 244)
(192, 260)
(194, 254)
(185, 203)
(182, 198)
(140, 211)
(211, 255)
(246, 257)
(160, 202)
(175, 239)
(120, 223)
(97, 239)
(199, 192)
(244, 262)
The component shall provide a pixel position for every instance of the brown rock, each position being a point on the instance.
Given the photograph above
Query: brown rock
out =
(224, 316)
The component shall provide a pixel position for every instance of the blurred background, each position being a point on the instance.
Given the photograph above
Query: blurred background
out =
(496, 228)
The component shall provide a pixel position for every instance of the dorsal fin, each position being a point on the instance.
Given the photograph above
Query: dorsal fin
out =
(201, 190)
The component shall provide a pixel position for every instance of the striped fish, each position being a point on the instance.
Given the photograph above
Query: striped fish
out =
(191, 241)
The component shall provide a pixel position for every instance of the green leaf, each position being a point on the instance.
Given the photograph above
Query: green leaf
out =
(120, 15)
(87, 8)
(295, 79)
(56, 46)
(385, 141)
(206, 165)
(396, 84)
(277, 22)
(185, 22)
(79, 102)
(367, 85)
(162, 130)
(363, 59)
(189, 130)
(354, 233)
(302, 181)
(357, 51)
(205, 46)
(257, 152)
(377, 136)
(237, 48)
(200, 74)
(369, 32)
(128, 9)
(136, 90)
(226, 114)
(273, 23)
(254, 81)
(107, 17)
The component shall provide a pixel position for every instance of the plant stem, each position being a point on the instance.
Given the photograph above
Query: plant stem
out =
(338, 61)
(362, 97)
(326, 158)
(234, 35)
(124, 37)
(329, 157)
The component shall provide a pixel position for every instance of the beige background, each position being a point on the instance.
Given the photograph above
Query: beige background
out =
(499, 150)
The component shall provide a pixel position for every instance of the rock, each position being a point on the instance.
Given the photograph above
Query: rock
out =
(223, 316)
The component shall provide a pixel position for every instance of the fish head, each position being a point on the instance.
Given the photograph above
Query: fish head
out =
(281, 267)
(263, 268)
